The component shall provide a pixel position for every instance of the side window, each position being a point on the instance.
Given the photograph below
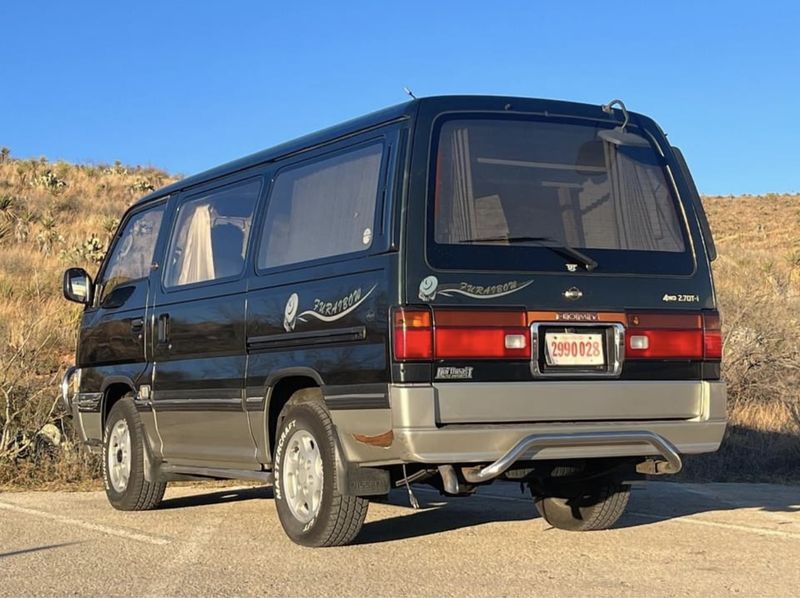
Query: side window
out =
(322, 209)
(132, 255)
(209, 240)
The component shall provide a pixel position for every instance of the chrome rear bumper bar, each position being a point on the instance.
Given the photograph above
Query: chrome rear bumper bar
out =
(529, 445)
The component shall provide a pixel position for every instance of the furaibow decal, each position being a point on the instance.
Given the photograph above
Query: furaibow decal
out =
(326, 311)
(429, 288)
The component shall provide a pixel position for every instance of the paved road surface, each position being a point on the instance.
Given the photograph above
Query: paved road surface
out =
(677, 540)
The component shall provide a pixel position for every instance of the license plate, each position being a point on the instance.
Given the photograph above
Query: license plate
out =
(568, 348)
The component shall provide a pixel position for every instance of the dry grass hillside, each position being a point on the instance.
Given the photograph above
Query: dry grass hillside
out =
(55, 214)
(52, 215)
(757, 276)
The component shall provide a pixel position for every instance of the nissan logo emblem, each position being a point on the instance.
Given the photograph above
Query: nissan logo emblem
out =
(573, 293)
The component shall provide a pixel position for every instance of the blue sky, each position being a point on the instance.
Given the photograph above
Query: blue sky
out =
(187, 85)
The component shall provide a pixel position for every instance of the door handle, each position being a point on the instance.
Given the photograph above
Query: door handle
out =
(162, 329)
(137, 325)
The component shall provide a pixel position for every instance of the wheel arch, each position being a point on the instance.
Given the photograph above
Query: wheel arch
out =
(113, 389)
(281, 385)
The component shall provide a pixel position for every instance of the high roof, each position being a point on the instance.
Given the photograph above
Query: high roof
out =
(404, 110)
(362, 122)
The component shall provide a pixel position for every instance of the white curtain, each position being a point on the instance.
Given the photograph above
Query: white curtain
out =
(464, 218)
(197, 263)
(645, 219)
(324, 209)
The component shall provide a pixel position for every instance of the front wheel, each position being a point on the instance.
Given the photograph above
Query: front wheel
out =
(311, 507)
(596, 506)
(123, 461)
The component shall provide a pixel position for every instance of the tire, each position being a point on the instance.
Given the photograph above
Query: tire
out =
(597, 507)
(311, 507)
(123, 461)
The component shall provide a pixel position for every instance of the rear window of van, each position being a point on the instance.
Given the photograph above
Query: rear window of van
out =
(503, 189)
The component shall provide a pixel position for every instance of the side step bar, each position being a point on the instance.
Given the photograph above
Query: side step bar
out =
(185, 471)
(536, 442)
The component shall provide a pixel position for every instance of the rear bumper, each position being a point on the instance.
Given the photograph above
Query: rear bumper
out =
(485, 435)
(527, 448)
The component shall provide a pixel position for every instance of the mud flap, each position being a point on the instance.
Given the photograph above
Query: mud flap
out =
(152, 471)
(359, 481)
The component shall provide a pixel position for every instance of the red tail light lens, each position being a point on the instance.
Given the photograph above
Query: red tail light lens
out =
(413, 334)
(664, 344)
(460, 334)
(673, 336)
(712, 336)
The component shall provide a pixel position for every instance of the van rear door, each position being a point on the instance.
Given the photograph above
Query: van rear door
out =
(585, 239)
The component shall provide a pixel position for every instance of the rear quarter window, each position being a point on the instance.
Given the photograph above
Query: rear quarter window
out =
(322, 209)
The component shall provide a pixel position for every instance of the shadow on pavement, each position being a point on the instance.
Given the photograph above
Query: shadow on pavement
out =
(650, 503)
(662, 501)
(36, 549)
(440, 514)
(219, 497)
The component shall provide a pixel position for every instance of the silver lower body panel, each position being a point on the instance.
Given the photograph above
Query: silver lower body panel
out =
(427, 426)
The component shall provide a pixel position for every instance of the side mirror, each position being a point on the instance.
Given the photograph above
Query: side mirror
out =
(78, 286)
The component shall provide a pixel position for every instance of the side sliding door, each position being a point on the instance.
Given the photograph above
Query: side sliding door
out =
(199, 328)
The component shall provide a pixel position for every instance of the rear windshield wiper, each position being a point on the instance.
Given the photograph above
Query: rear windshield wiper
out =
(564, 250)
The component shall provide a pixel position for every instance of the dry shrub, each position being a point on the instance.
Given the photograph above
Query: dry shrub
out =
(758, 287)
(49, 211)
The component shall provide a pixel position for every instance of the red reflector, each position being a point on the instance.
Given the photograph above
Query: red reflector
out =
(480, 343)
(665, 344)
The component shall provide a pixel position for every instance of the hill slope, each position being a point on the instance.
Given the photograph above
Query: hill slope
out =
(54, 215)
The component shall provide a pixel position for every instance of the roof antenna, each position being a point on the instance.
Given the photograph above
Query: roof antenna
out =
(409, 92)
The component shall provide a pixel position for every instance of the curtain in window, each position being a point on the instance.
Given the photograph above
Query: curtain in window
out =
(645, 218)
(198, 257)
(463, 214)
(330, 212)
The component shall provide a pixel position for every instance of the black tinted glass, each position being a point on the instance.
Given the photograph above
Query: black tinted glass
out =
(132, 254)
(322, 209)
(504, 182)
(209, 241)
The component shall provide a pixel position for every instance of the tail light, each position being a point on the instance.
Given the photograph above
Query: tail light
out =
(460, 334)
(673, 336)
(712, 336)
(413, 334)
(481, 335)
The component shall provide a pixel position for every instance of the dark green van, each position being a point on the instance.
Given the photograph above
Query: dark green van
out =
(452, 291)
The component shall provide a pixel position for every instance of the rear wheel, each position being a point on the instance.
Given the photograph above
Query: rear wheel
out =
(311, 507)
(595, 506)
(123, 461)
